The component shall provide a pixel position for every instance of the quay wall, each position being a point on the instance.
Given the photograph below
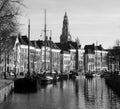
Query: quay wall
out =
(6, 86)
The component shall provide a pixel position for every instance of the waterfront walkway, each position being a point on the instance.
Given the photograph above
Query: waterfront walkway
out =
(4, 83)
(6, 86)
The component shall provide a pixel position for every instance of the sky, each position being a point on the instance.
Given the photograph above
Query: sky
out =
(90, 20)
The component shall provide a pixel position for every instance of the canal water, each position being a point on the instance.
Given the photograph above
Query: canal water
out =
(81, 93)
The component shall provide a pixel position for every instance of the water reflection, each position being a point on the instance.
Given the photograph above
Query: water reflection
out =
(81, 93)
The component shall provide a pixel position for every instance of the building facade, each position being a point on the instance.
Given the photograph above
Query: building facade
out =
(95, 59)
(65, 62)
(81, 60)
(50, 56)
(113, 59)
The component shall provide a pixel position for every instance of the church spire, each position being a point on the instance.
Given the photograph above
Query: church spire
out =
(65, 20)
(65, 36)
(65, 13)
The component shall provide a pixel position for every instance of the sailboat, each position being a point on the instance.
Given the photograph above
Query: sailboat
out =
(29, 82)
(46, 79)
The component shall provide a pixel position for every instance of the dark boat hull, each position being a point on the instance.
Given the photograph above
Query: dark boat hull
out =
(63, 76)
(45, 81)
(88, 75)
(25, 85)
(72, 76)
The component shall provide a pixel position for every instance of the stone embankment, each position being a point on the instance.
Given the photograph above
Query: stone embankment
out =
(6, 86)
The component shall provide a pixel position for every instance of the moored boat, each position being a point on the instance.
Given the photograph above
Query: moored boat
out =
(63, 76)
(73, 75)
(46, 79)
(28, 83)
(105, 74)
(25, 85)
(89, 75)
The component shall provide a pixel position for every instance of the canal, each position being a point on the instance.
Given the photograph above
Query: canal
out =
(81, 93)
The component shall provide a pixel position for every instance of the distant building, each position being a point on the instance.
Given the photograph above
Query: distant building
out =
(113, 59)
(100, 59)
(81, 60)
(65, 62)
(89, 58)
(95, 58)
(69, 52)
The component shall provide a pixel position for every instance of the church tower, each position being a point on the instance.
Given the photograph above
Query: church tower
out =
(65, 36)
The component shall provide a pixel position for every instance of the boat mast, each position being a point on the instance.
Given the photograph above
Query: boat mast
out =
(50, 52)
(96, 57)
(29, 47)
(34, 57)
(45, 41)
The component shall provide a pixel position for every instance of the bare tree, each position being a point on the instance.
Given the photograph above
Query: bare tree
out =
(9, 10)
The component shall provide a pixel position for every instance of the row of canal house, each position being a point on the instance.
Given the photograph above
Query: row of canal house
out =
(42, 53)
(58, 57)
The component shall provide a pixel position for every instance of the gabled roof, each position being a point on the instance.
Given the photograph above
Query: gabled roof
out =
(34, 43)
(114, 51)
(39, 43)
(63, 46)
(99, 47)
(71, 46)
(47, 43)
(50, 44)
(74, 44)
(66, 46)
(91, 48)
(24, 40)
